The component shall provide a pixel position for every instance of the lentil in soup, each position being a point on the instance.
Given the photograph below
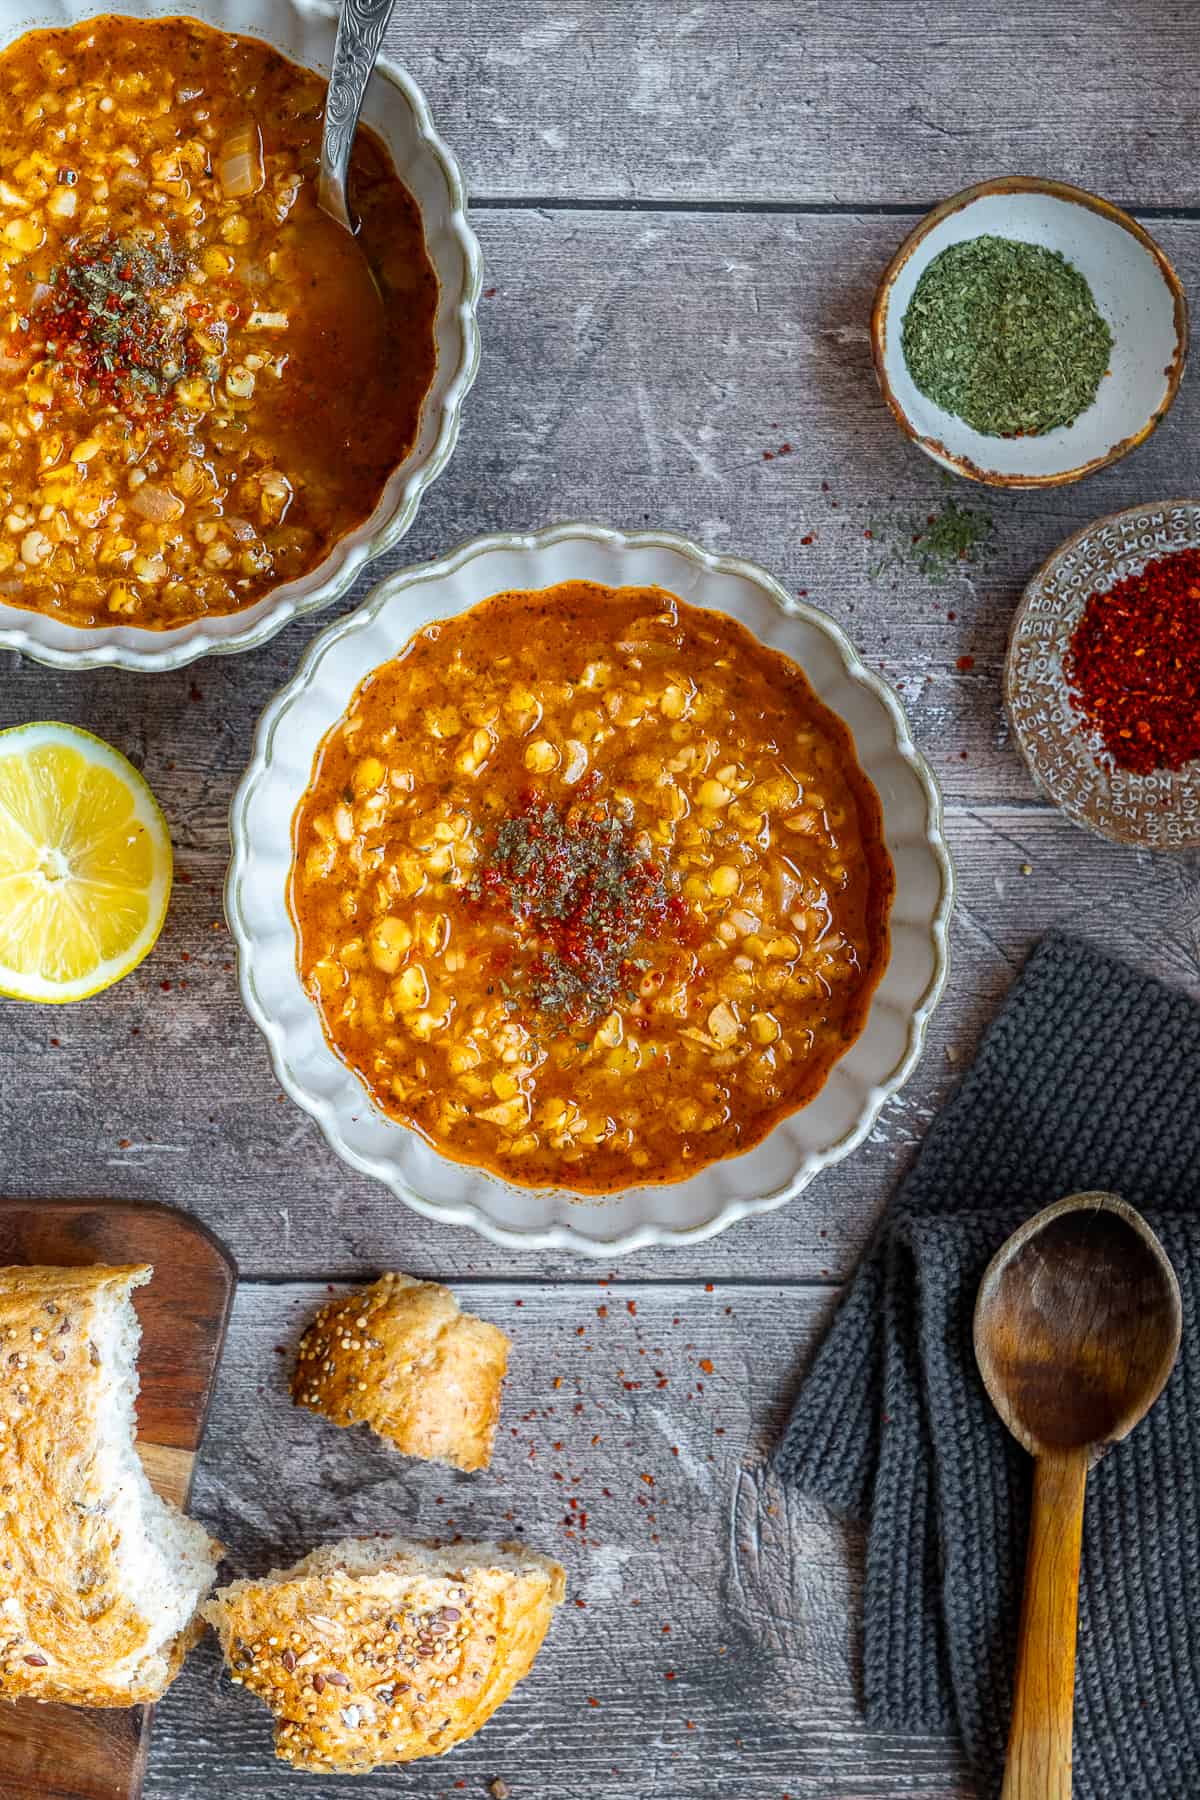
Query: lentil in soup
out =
(589, 887)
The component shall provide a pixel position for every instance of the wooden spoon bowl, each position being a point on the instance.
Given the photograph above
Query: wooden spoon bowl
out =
(1077, 1328)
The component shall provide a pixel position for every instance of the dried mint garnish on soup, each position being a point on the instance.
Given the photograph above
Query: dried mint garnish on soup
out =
(109, 325)
(1006, 335)
(585, 894)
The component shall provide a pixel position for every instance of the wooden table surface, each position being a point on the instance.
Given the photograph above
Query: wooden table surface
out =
(683, 208)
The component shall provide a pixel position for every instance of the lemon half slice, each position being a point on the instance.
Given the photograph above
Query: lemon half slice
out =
(85, 864)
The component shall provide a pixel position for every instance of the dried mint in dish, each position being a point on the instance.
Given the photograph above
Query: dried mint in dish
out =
(1007, 335)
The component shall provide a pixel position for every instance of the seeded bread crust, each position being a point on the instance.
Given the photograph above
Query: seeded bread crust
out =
(69, 1628)
(373, 1652)
(402, 1358)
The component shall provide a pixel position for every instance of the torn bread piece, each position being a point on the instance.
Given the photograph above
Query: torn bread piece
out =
(100, 1579)
(382, 1650)
(401, 1357)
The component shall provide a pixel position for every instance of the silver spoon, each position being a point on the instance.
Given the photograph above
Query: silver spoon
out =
(355, 52)
(343, 325)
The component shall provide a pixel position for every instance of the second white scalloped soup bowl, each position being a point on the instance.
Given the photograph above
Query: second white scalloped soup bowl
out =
(303, 30)
(805, 1142)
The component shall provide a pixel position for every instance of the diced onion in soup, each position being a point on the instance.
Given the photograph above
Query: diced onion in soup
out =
(240, 163)
(156, 503)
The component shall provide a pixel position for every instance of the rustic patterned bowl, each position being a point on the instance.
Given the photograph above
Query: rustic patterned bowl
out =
(1159, 811)
(1135, 288)
(303, 30)
(772, 1172)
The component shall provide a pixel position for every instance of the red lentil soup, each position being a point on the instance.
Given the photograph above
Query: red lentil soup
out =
(589, 887)
(201, 392)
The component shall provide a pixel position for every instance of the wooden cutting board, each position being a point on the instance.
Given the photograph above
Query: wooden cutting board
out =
(67, 1752)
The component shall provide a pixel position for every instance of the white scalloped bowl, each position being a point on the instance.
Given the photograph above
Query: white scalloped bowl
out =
(286, 742)
(303, 30)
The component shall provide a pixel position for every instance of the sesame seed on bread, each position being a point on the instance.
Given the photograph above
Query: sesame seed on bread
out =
(100, 1578)
(403, 1358)
(382, 1650)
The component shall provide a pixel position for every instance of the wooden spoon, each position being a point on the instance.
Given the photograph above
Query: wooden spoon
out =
(1077, 1328)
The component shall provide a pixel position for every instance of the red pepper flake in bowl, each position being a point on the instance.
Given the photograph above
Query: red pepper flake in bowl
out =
(1133, 666)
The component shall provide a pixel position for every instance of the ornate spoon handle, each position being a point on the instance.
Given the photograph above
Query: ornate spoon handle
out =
(356, 47)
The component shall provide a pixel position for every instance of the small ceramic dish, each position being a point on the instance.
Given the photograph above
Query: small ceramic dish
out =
(1067, 762)
(304, 31)
(1135, 288)
(286, 742)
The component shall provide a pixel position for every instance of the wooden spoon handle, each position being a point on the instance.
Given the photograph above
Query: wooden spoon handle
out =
(1039, 1739)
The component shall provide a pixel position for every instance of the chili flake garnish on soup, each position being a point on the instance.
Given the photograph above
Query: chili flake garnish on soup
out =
(197, 398)
(589, 887)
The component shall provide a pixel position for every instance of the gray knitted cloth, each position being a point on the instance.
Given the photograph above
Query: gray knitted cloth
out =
(1088, 1078)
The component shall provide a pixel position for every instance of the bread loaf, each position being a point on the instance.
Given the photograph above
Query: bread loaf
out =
(402, 1358)
(382, 1650)
(101, 1579)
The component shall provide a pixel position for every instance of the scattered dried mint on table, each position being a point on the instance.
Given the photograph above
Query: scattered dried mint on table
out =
(1007, 336)
(936, 544)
